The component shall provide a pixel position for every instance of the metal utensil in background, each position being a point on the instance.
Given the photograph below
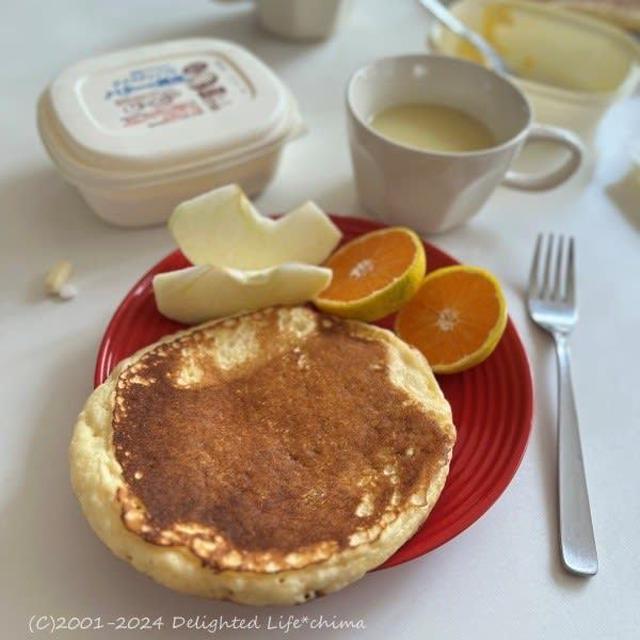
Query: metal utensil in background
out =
(552, 305)
(454, 24)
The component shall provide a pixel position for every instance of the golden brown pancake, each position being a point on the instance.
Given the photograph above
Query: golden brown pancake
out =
(270, 457)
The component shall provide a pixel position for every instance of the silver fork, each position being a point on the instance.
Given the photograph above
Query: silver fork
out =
(552, 306)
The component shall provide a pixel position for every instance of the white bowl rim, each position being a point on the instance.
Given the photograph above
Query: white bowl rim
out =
(456, 61)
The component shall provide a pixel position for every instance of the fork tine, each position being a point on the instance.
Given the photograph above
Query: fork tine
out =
(535, 268)
(547, 267)
(556, 294)
(570, 285)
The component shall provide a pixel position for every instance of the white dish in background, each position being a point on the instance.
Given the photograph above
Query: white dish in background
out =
(302, 19)
(596, 64)
(138, 131)
(434, 191)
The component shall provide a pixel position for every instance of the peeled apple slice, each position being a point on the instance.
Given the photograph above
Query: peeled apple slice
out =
(201, 293)
(222, 228)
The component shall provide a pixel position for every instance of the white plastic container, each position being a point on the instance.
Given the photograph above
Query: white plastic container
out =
(139, 131)
(302, 19)
(594, 64)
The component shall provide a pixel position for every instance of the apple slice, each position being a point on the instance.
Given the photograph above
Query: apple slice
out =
(222, 228)
(196, 294)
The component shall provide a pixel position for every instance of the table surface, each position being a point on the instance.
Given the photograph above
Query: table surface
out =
(502, 577)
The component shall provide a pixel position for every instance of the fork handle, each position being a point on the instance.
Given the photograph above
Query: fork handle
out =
(576, 527)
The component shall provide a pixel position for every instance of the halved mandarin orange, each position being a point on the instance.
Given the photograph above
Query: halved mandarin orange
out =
(456, 318)
(374, 275)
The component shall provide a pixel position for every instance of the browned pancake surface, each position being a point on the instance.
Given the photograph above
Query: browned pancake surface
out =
(291, 452)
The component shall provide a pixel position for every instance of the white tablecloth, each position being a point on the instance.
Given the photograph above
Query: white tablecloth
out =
(502, 577)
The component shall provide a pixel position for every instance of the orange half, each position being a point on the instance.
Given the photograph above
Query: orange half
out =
(456, 318)
(374, 275)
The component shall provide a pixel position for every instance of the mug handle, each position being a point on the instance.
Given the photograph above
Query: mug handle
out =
(548, 179)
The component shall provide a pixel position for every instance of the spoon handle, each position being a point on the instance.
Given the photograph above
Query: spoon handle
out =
(454, 24)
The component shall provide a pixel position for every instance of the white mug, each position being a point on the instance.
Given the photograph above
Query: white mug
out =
(434, 191)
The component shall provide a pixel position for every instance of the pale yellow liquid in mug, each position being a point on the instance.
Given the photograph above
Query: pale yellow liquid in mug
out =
(432, 127)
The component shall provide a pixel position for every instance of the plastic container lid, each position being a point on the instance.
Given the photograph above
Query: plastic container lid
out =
(163, 109)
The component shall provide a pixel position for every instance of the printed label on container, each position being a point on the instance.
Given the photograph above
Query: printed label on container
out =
(164, 92)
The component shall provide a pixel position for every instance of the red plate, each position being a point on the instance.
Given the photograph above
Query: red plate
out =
(491, 403)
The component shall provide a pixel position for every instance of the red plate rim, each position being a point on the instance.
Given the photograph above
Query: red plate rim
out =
(415, 547)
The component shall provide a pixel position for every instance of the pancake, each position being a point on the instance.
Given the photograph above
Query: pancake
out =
(267, 458)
